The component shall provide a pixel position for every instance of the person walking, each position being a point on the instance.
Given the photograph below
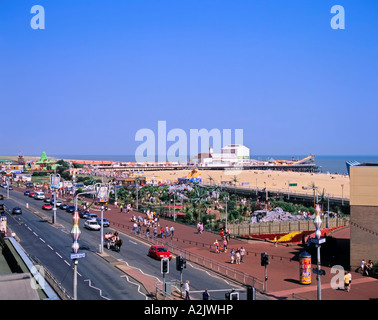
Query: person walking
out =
(237, 256)
(350, 280)
(346, 282)
(216, 244)
(224, 245)
(172, 230)
(187, 289)
(242, 253)
(232, 255)
(206, 295)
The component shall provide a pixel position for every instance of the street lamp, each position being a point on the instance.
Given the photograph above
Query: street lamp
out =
(102, 197)
(226, 199)
(54, 183)
(318, 241)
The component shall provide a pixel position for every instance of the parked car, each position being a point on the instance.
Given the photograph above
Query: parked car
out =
(47, 206)
(27, 192)
(47, 199)
(63, 206)
(17, 210)
(31, 194)
(1, 197)
(105, 222)
(29, 185)
(159, 252)
(92, 225)
(2, 209)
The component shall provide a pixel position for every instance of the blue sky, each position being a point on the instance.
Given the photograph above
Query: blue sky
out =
(102, 70)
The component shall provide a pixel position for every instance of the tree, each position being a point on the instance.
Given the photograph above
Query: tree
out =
(314, 188)
(199, 198)
(235, 180)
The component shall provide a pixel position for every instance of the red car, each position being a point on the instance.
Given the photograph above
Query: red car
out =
(47, 206)
(159, 252)
(31, 194)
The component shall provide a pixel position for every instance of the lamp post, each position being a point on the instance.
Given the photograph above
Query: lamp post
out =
(318, 241)
(226, 199)
(75, 233)
(54, 183)
(102, 197)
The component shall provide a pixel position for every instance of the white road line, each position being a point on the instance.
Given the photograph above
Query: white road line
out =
(50, 247)
(134, 283)
(90, 285)
(67, 262)
(42, 240)
(29, 228)
(132, 242)
(58, 255)
(35, 234)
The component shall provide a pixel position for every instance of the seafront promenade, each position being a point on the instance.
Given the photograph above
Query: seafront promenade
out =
(283, 270)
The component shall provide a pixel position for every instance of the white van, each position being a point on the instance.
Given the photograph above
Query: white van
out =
(39, 195)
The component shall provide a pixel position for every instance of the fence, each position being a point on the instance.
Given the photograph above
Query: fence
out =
(284, 226)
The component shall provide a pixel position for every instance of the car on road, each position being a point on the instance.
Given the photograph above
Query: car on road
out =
(16, 210)
(70, 209)
(58, 203)
(2, 209)
(39, 195)
(63, 206)
(84, 214)
(1, 197)
(47, 206)
(31, 194)
(92, 225)
(105, 222)
(91, 216)
(27, 192)
(159, 252)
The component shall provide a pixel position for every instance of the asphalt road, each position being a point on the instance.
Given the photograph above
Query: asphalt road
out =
(97, 279)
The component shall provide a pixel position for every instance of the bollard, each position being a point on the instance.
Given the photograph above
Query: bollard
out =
(27, 205)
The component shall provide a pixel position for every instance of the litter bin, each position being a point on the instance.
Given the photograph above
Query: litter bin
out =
(305, 268)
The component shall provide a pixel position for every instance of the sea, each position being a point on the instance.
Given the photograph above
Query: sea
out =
(327, 163)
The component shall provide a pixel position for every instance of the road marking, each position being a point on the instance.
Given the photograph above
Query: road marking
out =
(67, 262)
(29, 228)
(133, 242)
(50, 247)
(134, 283)
(42, 240)
(58, 255)
(35, 234)
(90, 285)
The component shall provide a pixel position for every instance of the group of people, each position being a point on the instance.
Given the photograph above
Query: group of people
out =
(237, 255)
(366, 267)
(111, 236)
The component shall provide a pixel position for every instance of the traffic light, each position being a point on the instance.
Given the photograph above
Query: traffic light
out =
(264, 259)
(165, 265)
(232, 295)
(180, 263)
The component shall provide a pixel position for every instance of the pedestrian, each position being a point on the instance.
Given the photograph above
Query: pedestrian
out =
(162, 232)
(228, 234)
(172, 230)
(205, 295)
(232, 255)
(363, 263)
(166, 231)
(242, 253)
(155, 232)
(237, 256)
(350, 280)
(186, 288)
(224, 245)
(121, 208)
(148, 232)
(216, 244)
(346, 282)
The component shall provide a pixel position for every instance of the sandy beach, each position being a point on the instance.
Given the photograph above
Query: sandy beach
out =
(334, 185)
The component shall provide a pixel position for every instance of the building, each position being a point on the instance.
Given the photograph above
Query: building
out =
(230, 155)
(363, 213)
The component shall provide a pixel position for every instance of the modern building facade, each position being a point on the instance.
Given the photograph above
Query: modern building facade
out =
(363, 214)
